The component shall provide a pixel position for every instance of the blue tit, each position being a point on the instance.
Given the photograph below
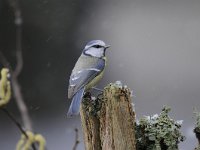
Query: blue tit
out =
(87, 71)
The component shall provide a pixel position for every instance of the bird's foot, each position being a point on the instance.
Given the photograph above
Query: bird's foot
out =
(97, 89)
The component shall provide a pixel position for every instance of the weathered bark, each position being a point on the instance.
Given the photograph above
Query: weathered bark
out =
(90, 125)
(109, 122)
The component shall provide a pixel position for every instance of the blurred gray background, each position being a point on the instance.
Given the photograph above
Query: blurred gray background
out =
(155, 51)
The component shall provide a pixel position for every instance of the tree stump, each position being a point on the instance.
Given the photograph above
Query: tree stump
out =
(197, 133)
(109, 121)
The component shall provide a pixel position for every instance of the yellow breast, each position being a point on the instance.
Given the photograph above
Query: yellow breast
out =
(93, 82)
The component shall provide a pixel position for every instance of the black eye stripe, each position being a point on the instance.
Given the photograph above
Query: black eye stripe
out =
(97, 46)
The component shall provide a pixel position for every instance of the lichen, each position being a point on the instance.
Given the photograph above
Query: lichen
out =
(197, 117)
(92, 106)
(158, 132)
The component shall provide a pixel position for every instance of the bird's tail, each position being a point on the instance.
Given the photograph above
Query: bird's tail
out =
(75, 104)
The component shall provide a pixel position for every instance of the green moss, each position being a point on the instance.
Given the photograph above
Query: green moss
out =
(158, 132)
(92, 105)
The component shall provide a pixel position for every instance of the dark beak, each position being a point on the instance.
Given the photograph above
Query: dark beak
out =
(107, 46)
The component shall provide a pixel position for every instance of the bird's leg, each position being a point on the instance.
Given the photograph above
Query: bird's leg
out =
(97, 89)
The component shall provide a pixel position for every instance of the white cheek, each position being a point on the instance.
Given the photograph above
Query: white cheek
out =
(95, 52)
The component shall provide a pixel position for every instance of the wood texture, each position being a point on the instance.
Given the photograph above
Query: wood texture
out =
(109, 122)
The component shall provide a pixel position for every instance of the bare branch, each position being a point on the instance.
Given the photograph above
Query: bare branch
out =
(21, 105)
(76, 139)
(15, 121)
(19, 57)
(14, 4)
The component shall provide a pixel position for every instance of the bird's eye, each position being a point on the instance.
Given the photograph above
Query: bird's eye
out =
(97, 46)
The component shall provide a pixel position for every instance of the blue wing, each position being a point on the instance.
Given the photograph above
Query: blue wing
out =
(81, 77)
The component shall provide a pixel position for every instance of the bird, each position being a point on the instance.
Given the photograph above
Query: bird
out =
(87, 72)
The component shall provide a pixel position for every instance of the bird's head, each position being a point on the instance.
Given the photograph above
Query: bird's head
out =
(95, 48)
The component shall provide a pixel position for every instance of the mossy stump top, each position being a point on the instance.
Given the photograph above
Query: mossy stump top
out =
(109, 121)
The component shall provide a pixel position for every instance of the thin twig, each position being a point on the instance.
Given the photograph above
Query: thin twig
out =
(20, 102)
(19, 57)
(76, 139)
(14, 4)
(15, 121)
(10, 115)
